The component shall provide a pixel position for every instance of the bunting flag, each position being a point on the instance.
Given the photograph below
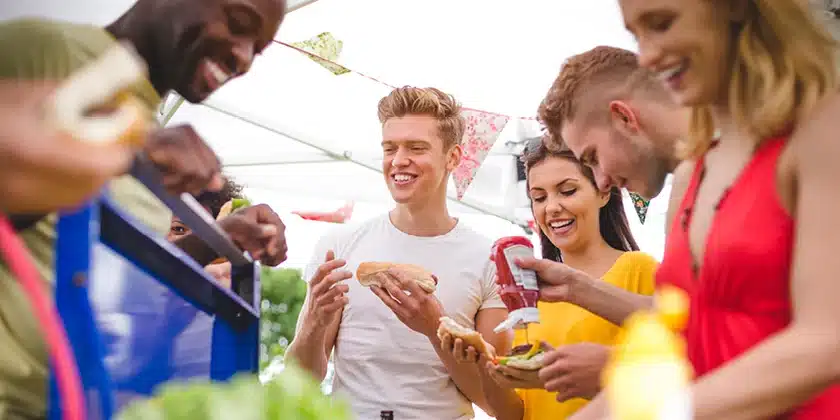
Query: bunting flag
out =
(341, 215)
(482, 127)
(324, 49)
(482, 131)
(641, 205)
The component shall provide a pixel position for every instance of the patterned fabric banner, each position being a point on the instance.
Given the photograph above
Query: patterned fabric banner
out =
(641, 205)
(324, 49)
(482, 131)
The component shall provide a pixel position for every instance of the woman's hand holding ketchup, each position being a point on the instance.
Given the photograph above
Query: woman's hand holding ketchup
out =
(558, 281)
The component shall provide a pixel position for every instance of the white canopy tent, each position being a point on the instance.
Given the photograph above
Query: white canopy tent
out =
(299, 137)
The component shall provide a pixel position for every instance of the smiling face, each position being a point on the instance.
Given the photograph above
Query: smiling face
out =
(218, 40)
(686, 42)
(565, 203)
(416, 165)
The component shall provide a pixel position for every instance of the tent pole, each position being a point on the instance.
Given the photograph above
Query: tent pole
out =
(347, 156)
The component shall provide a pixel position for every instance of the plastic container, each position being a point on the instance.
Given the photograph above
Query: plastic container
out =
(518, 287)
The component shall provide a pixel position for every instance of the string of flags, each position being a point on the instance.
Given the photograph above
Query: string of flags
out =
(482, 127)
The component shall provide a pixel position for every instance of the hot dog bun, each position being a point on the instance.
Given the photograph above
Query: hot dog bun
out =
(373, 274)
(468, 336)
(103, 83)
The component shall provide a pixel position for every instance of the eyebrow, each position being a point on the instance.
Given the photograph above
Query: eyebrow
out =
(557, 184)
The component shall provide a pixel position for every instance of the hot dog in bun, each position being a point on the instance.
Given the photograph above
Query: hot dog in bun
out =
(468, 336)
(103, 84)
(374, 274)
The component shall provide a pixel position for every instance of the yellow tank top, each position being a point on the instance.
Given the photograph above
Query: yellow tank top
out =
(564, 323)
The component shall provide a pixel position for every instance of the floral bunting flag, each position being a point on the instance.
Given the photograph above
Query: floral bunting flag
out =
(482, 131)
(324, 49)
(641, 205)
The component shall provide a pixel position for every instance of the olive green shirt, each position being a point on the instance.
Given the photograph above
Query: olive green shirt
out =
(44, 49)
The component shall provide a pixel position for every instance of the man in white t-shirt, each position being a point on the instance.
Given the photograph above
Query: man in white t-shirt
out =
(387, 354)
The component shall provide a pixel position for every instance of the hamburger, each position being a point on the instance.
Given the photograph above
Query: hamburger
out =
(374, 274)
(469, 336)
(524, 357)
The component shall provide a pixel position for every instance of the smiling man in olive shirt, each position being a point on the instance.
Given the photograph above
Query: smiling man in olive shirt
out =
(191, 46)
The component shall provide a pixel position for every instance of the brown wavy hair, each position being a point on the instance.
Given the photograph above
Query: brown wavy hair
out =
(408, 100)
(613, 224)
(783, 65)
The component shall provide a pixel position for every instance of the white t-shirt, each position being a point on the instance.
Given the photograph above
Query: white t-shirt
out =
(380, 364)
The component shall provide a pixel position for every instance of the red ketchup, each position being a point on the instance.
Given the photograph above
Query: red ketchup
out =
(518, 287)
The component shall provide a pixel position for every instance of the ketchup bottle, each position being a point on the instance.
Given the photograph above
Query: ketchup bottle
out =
(517, 286)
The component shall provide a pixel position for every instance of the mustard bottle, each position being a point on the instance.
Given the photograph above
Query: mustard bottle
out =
(648, 375)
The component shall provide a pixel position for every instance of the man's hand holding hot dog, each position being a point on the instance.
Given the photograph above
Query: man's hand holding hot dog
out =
(418, 309)
(41, 169)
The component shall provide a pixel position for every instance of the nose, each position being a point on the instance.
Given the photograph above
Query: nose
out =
(243, 55)
(649, 54)
(400, 159)
(554, 206)
(602, 181)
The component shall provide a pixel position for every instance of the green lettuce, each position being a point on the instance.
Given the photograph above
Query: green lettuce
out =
(291, 395)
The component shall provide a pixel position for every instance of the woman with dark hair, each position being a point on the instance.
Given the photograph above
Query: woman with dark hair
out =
(586, 229)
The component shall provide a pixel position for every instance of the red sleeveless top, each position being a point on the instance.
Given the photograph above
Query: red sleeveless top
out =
(741, 293)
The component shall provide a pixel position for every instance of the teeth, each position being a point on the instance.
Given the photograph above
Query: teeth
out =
(673, 71)
(557, 225)
(403, 177)
(220, 75)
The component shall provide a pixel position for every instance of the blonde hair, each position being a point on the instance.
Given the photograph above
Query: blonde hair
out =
(783, 65)
(433, 102)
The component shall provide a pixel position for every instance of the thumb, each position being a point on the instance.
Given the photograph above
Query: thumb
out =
(531, 263)
(330, 256)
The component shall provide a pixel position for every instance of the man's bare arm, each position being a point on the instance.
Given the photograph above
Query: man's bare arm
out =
(304, 347)
(465, 374)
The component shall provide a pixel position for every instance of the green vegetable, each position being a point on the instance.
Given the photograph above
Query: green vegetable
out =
(292, 395)
(239, 203)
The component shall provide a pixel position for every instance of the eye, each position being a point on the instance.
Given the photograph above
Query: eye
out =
(569, 192)
(538, 199)
(418, 149)
(240, 23)
(179, 230)
(389, 149)
(659, 22)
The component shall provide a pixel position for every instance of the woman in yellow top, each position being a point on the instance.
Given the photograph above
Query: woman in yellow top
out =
(588, 230)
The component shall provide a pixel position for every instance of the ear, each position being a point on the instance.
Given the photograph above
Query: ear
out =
(604, 197)
(453, 157)
(624, 118)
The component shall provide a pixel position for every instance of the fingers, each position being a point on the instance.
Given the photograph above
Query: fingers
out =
(326, 268)
(554, 372)
(447, 343)
(188, 164)
(531, 263)
(330, 282)
(393, 305)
